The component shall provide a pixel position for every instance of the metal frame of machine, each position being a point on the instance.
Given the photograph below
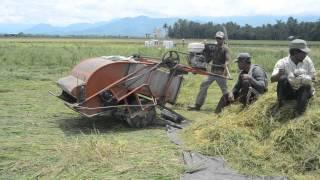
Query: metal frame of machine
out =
(126, 87)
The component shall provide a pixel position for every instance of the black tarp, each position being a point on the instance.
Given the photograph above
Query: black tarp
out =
(201, 167)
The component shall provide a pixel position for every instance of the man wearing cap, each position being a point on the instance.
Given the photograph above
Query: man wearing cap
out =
(294, 75)
(220, 59)
(251, 83)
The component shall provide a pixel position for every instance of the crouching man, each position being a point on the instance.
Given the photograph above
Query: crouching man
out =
(294, 75)
(251, 83)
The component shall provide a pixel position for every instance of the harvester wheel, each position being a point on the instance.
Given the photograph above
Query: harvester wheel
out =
(171, 59)
(141, 119)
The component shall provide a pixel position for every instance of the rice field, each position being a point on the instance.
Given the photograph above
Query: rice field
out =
(42, 139)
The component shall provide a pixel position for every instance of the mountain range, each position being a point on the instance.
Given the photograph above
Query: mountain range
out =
(136, 26)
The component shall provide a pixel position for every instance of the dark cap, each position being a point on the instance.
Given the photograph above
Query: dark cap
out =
(243, 57)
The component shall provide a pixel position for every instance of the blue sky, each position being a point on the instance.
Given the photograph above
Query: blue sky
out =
(64, 12)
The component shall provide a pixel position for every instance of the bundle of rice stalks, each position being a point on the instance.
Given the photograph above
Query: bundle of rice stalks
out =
(262, 139)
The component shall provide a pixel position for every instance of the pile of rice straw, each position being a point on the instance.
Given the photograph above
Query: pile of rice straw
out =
(262, 139)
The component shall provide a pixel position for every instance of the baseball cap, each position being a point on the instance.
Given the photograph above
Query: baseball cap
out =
(299, 44)
(243, 57)
(220, 34)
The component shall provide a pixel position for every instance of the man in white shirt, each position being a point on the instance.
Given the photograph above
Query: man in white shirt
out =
(294, 75)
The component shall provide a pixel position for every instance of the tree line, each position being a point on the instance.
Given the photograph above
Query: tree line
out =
(281, 30)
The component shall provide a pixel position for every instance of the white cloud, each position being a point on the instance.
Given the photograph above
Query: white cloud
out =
(62, 12)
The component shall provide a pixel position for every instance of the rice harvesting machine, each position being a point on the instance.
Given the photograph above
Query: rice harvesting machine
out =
(129, 88)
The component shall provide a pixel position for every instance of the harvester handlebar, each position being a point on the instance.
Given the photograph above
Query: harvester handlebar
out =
(171, 59)
(201, 72)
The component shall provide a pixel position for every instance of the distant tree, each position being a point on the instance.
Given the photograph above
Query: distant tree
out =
(292, 25)
(165, 27)
(20, 34)
(315, 31)
(157, 33)
(279, 31)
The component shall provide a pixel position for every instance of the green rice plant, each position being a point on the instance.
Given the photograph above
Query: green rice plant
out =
(42, 139)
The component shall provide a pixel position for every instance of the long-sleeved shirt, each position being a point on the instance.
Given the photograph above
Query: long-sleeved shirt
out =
(259, 80)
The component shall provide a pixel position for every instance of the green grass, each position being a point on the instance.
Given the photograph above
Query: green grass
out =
(41, 138)
(254, 140)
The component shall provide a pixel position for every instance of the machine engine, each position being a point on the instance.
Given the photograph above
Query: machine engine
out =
(196, 57)
(200, 54)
